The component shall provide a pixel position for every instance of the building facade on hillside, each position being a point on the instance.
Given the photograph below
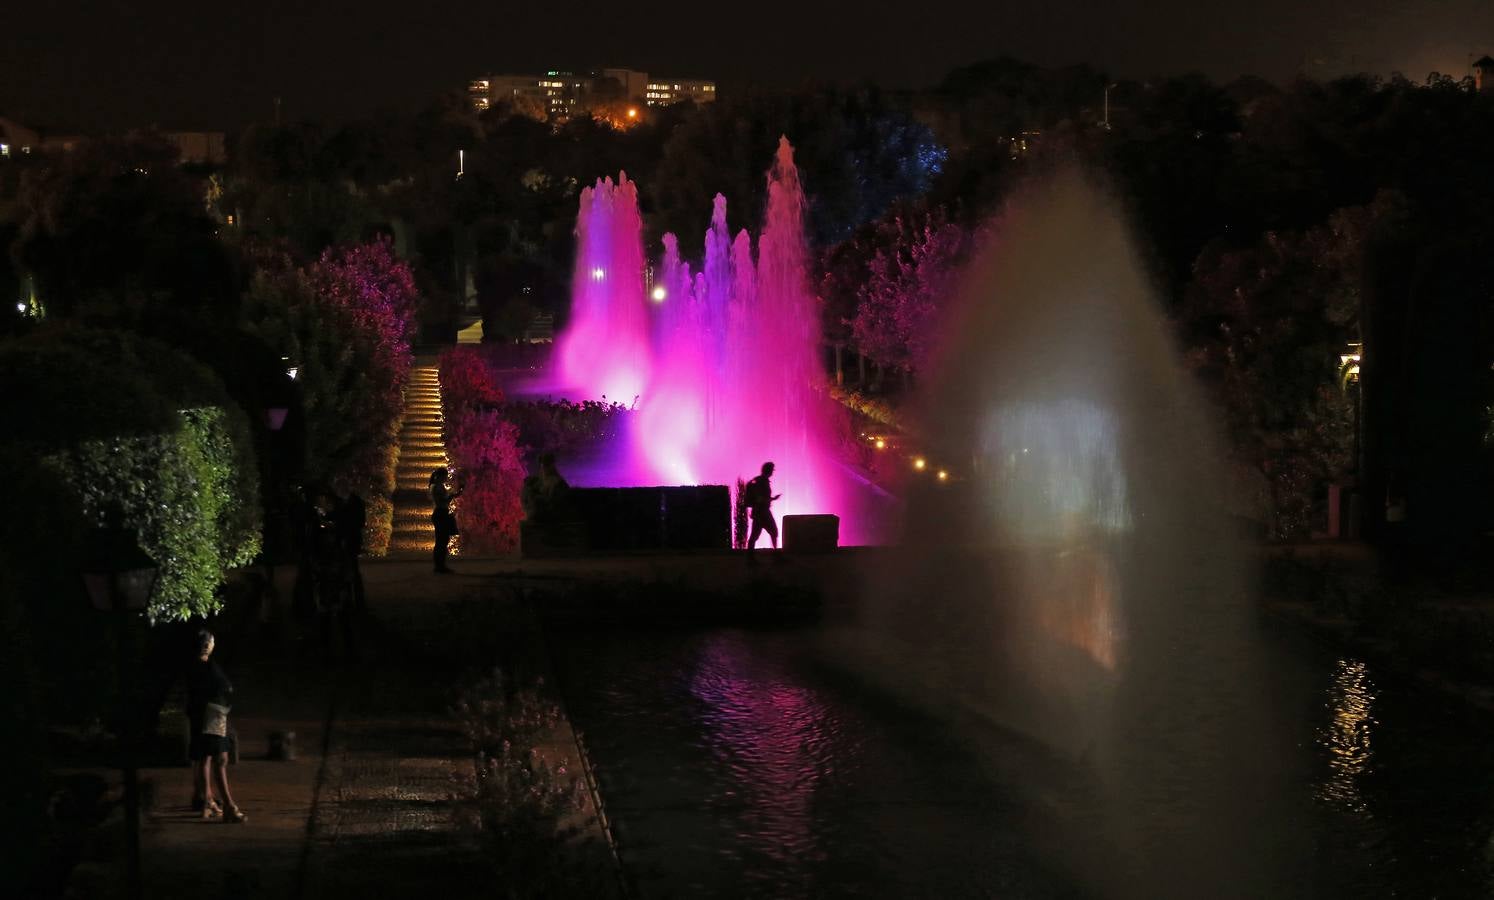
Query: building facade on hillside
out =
(633, 83)
(191, 146)
(16, 139)
(665, 92)
(557, 95)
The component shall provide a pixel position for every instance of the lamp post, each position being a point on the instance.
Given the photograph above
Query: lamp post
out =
(1106, 126)
(121, 579)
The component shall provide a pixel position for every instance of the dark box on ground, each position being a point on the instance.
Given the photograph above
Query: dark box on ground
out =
(811, 534)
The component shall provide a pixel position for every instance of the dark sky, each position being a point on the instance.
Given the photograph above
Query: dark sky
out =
(116, 63)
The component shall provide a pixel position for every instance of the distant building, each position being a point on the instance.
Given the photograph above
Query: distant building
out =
(16, 139)
(1483, 75)
(557, 95)
(552, 95)
(666, 92)
(191, 146)
(634, 83)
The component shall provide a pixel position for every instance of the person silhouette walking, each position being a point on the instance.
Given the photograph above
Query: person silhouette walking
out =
(760, 497)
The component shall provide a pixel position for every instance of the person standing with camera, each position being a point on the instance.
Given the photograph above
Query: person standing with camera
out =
(443, 518)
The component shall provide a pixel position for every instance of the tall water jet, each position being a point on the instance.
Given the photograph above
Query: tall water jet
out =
(778, 408)
(730, 378)
(674, 408)
(1089, 596)
(605, 350)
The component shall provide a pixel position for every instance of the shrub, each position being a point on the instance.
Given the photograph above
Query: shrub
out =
(467, 378)
(739, 516)
(181, 493)
(486, 439)
(490, 468)
(173, 454)
(526, 808)
(560, 425)
(346, 322)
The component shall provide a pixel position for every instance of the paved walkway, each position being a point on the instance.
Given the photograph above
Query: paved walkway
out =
(422, 447)
(370, 806)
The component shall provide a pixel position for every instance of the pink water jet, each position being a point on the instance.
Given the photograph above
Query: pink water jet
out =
(606, 349)
(725, 360)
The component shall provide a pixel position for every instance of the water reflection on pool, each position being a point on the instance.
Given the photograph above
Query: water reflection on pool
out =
(740, 763)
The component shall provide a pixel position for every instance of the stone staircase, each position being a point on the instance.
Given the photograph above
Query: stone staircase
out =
(422, 448)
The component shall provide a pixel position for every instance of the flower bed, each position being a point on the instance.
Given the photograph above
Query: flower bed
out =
(484, 451)
(489, 440)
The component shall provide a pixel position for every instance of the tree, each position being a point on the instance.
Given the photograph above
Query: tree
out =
(116, 228)
(1267, 325)
(346, 323)
(908, 283)
(856, 151)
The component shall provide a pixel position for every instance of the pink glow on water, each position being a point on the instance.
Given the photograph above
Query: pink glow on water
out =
(729, 373)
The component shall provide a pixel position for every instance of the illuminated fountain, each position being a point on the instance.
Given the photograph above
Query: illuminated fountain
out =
(724, 362)
(606, 349)
(1080, 588)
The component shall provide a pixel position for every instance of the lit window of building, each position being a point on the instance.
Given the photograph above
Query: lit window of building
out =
(556, 94)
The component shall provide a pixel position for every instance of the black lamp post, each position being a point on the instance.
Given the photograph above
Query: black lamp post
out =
(121, 578)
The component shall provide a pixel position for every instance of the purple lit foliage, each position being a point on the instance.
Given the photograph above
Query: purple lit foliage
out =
(374, 297)
(908, 285)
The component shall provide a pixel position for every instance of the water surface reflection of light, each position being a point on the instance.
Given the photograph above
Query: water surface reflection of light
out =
(1346, 737)
(773, 738)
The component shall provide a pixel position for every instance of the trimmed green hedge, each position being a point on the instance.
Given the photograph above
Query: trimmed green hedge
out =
(134, 424)
(183, 493)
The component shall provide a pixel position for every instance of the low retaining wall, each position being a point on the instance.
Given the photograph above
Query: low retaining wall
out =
(694, 517)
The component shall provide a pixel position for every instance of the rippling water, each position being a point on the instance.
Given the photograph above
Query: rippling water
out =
(741, 763)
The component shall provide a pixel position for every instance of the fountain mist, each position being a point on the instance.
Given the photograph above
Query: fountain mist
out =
(1089, 597)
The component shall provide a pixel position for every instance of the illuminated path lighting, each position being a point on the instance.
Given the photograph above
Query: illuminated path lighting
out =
(422, 448)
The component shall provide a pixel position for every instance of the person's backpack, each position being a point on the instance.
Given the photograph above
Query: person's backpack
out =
(757, 493)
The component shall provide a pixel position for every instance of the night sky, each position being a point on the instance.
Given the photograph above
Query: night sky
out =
(175, 64)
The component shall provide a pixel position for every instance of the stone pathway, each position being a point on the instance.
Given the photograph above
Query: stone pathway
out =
(370, 808)
(422, 447)
(386, 813)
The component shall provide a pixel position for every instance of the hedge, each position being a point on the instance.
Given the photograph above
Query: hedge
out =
(130, 423)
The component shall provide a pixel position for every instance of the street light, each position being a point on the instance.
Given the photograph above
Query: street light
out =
(1106, 126)
(121, 578)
